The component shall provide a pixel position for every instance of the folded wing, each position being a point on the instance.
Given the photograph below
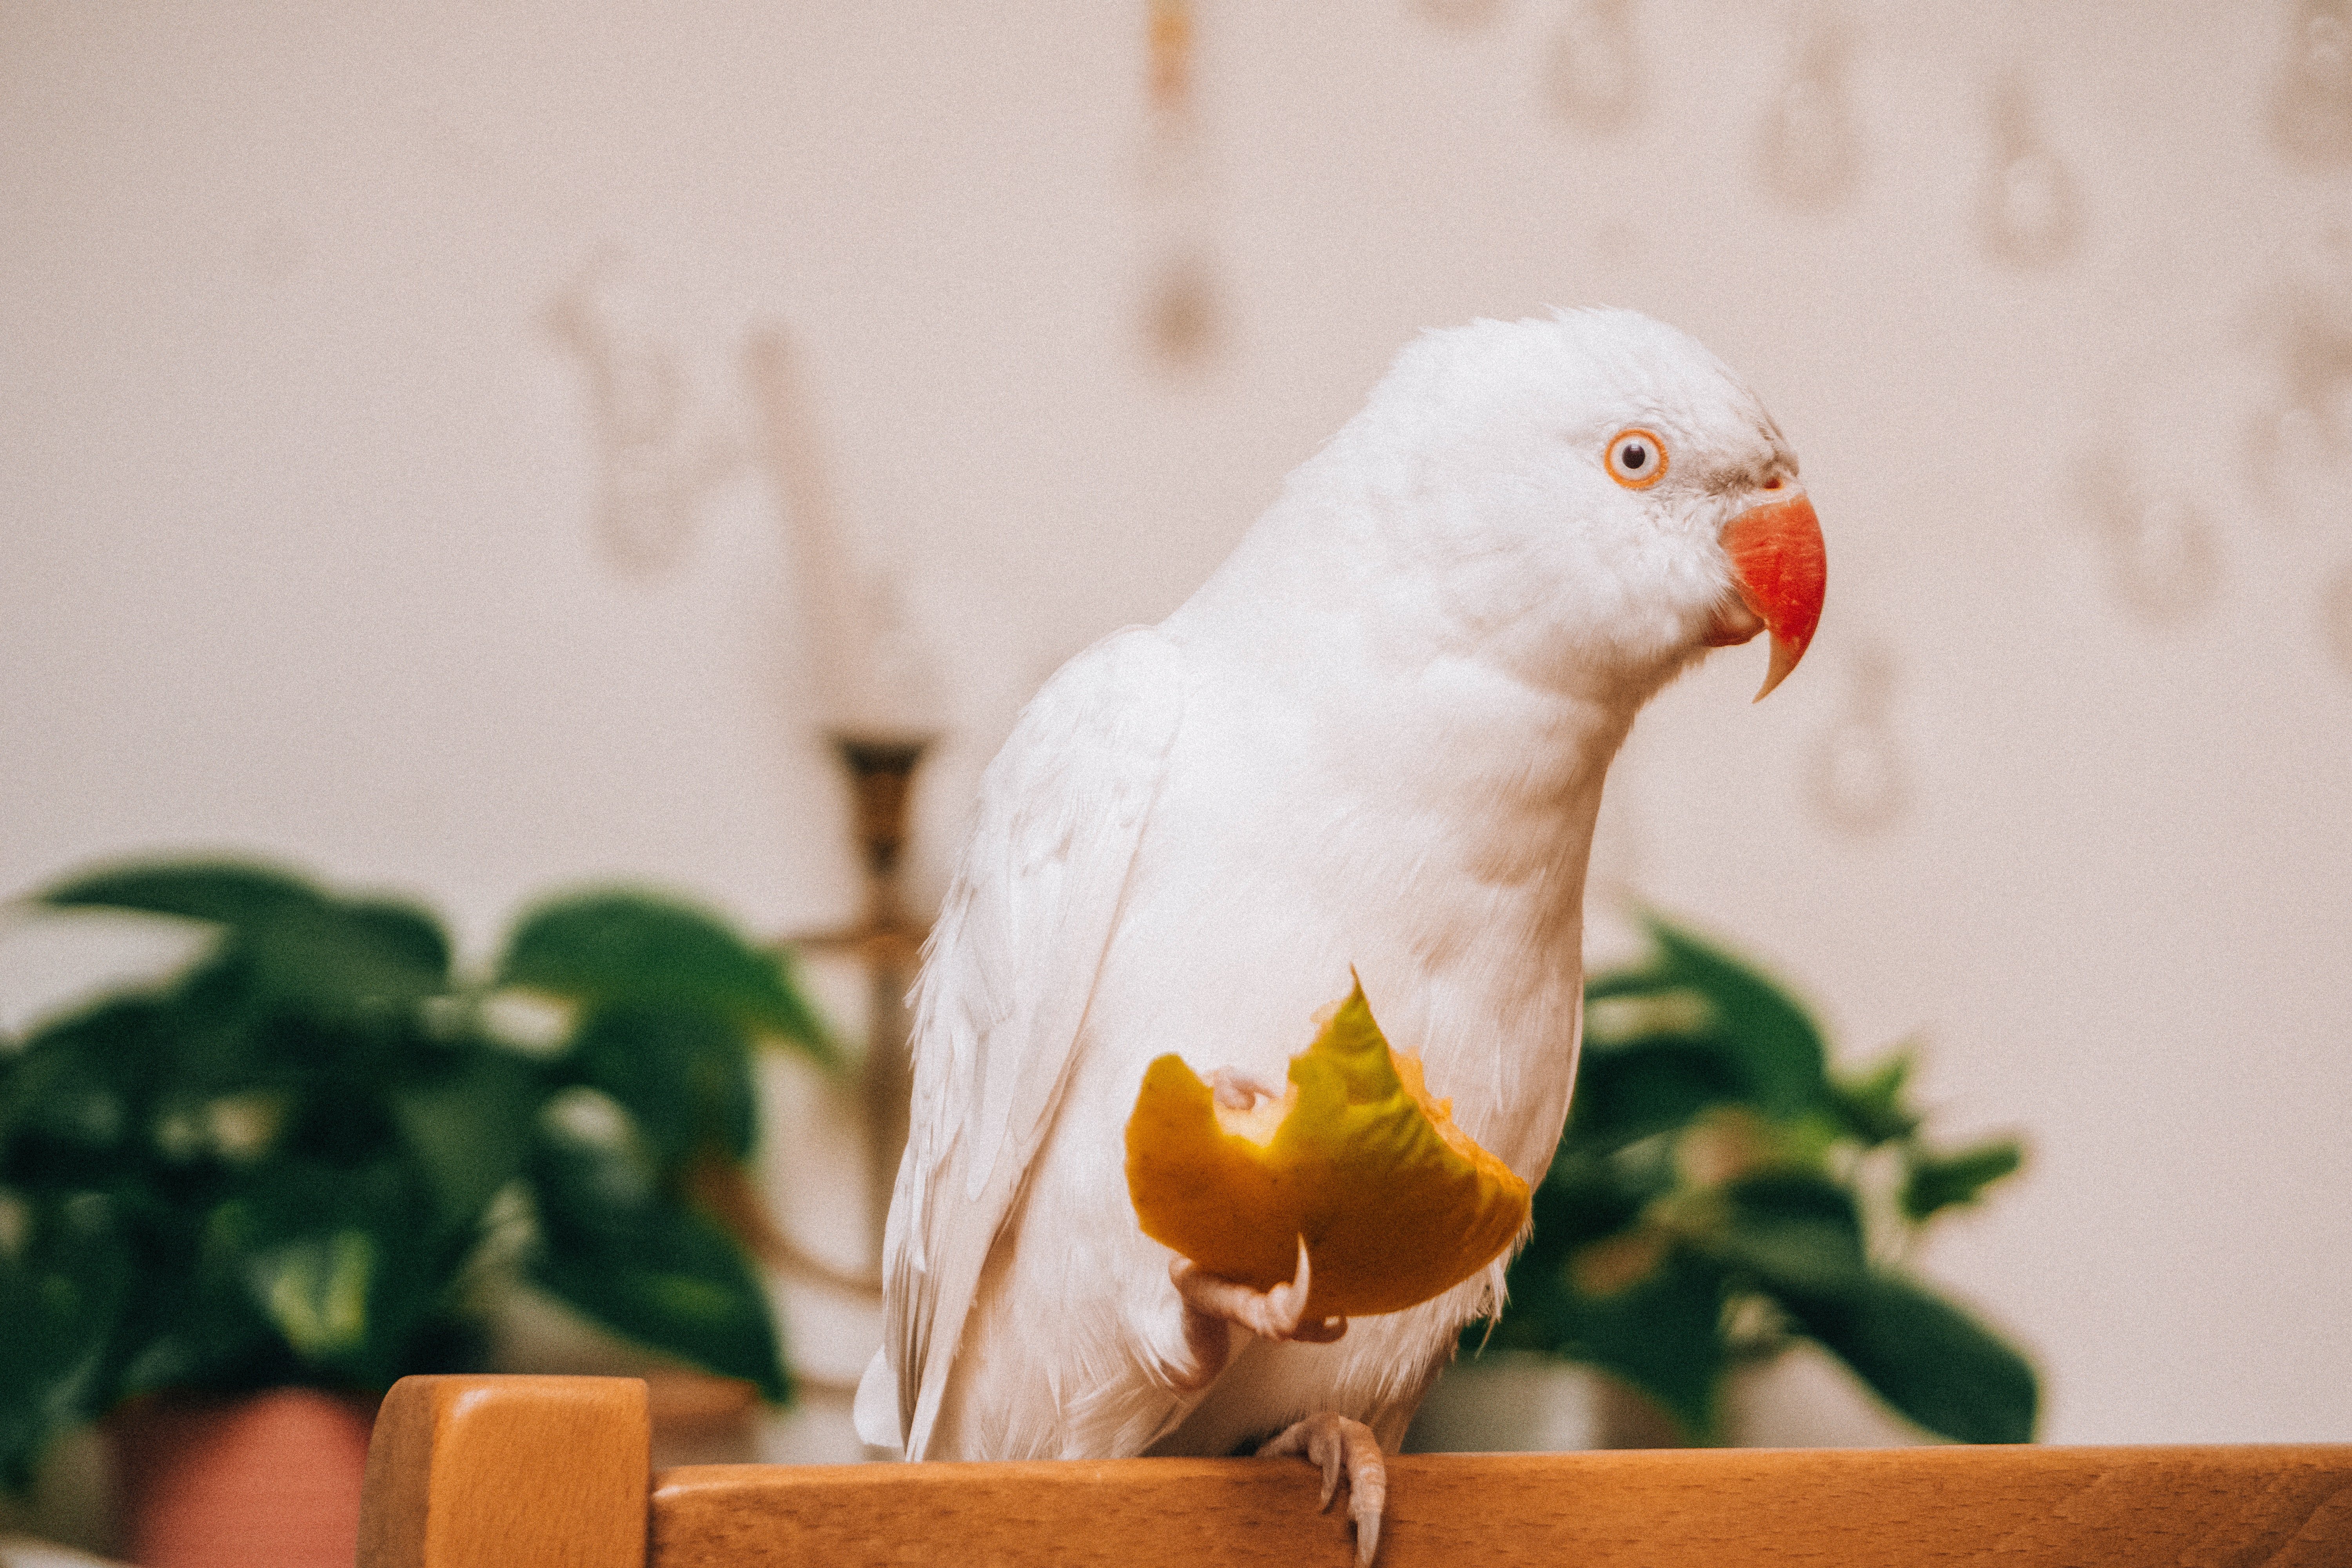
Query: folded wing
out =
(1004, 990)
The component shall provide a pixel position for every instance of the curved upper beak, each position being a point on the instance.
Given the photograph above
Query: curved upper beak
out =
(1781, 569)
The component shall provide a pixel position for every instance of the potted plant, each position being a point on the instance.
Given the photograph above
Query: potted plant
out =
(305, 1161)
(1722, 1192)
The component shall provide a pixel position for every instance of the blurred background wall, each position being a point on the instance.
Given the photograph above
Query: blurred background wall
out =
(405, 414)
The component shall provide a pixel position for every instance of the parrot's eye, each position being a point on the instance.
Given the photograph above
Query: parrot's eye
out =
(1637, 459)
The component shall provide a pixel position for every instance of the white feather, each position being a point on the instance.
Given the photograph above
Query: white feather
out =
(1005, 992)
(1376, 738)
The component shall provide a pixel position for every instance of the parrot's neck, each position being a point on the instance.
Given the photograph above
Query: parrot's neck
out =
(1448, 798)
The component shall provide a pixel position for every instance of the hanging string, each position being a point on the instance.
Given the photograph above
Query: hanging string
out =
(658, 457)
(1809, 150)
(1595, 67)
(1180, 309)
(875, 671)
(2311, 104)
(2335, 617)
(2163, 559)
(1172, 56)
(2028, 212)
(2298, 440)
(1462, 14)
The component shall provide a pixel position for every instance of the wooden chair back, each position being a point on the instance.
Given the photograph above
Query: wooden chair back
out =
(473, 1472)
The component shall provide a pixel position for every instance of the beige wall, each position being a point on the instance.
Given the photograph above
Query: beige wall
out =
(298, 500)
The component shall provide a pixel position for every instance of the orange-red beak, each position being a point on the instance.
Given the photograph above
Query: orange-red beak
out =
(1781, 570)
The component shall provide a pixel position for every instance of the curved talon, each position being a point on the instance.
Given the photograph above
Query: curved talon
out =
(1276, 1314)
(1210, 1301)
(1293, 1324)
(1343, 1447)
(1287, 1301)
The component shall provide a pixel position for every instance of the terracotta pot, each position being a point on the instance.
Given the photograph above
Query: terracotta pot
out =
(265, 1480)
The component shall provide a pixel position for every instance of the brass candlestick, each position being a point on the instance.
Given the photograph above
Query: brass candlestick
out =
(889, 945)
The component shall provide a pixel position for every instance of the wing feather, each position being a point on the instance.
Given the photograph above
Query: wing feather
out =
(1005, 985)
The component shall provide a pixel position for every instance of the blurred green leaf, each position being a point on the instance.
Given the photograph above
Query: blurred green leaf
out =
(1938, 1182)
(65, 1271)
(1926, 1357)
(210, 1029)
(469, 1126)
(1710, 1160)
(1582, 1200)
(633, 948)
(299, 947)
(662, 1276)
(593, 1170)
(1872, 1107)
(283, 1272)
(1775, 1041)
(1747, 1039)
(1791, 1231)
(57, 1091)
(227, 893)
(299, 1142)
(1629, 1091)
(342, 1264)
(1662, 1336)
(342, 958)
(402, 933)
(76, 1097)
(684, 1075)
(315, 1289)
(688, 1294)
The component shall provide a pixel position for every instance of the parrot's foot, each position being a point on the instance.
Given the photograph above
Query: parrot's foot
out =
(1343, 1448)
(1213, 1304)
(1238, 1090)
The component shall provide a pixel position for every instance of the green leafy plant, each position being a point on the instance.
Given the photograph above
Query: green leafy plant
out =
(1721, 1189)
(311, 1155)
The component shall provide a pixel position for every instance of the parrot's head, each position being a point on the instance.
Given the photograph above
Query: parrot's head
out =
(1593, 495)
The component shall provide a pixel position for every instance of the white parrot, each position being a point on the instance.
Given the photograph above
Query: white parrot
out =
(1376, 737)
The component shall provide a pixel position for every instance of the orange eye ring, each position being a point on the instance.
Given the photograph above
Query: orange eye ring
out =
(1637, 458)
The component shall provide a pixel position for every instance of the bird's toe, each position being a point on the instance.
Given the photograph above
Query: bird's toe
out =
(1238, 1090)
(1277, 1314)
(1342, 1448)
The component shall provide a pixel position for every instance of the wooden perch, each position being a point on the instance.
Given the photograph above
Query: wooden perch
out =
(488, 1472)
(467, 1472)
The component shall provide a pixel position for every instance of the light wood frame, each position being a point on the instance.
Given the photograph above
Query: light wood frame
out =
(473, 1472)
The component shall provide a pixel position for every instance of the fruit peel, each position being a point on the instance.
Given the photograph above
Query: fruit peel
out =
(1395, 1203)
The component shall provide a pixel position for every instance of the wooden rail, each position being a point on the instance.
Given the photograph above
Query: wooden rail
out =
(473, 1472)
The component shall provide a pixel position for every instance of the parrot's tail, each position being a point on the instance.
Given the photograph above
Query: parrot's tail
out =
(877, 1411)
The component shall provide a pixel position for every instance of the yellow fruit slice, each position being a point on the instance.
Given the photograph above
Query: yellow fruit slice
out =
(1396, 1203)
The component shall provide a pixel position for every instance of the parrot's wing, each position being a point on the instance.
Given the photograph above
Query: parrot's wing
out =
(1011, 969)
